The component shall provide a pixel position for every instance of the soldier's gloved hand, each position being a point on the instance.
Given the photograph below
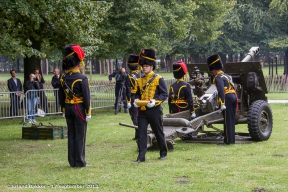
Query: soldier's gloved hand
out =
(223, 107)
(135, 105)
(88, 118)
(151, 103)
(128, 105)
(193, 115)
(63, 115)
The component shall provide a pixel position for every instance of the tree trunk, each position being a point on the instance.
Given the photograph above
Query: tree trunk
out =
(230, 57)
(167, 63)
(96, 66)
(286, 62)
(100, 67)
(242, 55)
(223, 58)
(124, 64)
(30, 63)
(18, 65)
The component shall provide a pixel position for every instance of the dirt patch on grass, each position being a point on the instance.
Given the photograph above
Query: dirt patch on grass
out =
(182, 181)
(258, 189)
(278, 155)
(29, 147)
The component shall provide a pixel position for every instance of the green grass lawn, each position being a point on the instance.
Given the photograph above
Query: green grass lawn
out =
(112, 152)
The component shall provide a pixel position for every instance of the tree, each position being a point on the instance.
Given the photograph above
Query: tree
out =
(281, 7)
(205, 27)
(35, 29)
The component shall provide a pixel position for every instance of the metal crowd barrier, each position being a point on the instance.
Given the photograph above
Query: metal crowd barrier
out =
(13, 106)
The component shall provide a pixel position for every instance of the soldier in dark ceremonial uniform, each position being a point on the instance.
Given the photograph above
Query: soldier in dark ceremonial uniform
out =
(131, 87)
(152, 88)
(226, 95)
(74, 98)
(180, 94)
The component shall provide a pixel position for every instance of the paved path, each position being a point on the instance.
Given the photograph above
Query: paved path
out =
(277, 101)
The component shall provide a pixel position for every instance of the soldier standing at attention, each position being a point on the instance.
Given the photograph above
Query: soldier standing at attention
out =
(180, 95)
(131, 88)
(226, 96)
(74, 97)
(152, 88)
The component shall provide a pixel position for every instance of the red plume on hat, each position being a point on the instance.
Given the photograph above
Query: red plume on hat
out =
(73, 55)
(179, 69)
(79, 51)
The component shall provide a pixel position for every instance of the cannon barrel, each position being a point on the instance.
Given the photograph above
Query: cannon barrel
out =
(252, 52)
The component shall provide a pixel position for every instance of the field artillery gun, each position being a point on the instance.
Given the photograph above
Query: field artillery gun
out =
(253, 108)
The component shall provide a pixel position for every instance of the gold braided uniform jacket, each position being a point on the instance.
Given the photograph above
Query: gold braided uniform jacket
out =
(131, 84)
(224, 86)
(80, 87)
(157, 89)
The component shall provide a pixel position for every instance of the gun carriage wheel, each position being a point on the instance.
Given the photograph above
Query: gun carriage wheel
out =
(260, 121)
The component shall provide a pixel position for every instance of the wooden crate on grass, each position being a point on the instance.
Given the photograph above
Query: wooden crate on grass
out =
(64, 132)
(44, 132)
(49, 132)
(30, 133)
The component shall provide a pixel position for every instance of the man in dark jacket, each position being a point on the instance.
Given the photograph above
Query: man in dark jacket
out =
(56, 84)
(15, 86)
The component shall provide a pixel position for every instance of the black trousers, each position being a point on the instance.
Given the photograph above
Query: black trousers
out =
(15, 104)
(77, 128)
(154, 117)
(229, 118)
(133, 111)
(57, 100)
(117, 91)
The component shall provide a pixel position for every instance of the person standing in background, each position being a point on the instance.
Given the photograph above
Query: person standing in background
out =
(14, 85)
(56, 84)
(42, 96)
(31, 85)
(120, 76)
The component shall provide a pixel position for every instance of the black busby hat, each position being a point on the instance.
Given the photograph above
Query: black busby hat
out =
(133, 62)
(214, 62)
(73, 55)
(179, 69)
(148, 57)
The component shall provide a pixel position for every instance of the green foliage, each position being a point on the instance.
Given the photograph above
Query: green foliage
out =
(281, 7)
(137, 24)
(52, 23)
(206, 25)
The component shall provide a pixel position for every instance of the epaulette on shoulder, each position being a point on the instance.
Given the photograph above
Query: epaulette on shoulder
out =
(158, 76)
